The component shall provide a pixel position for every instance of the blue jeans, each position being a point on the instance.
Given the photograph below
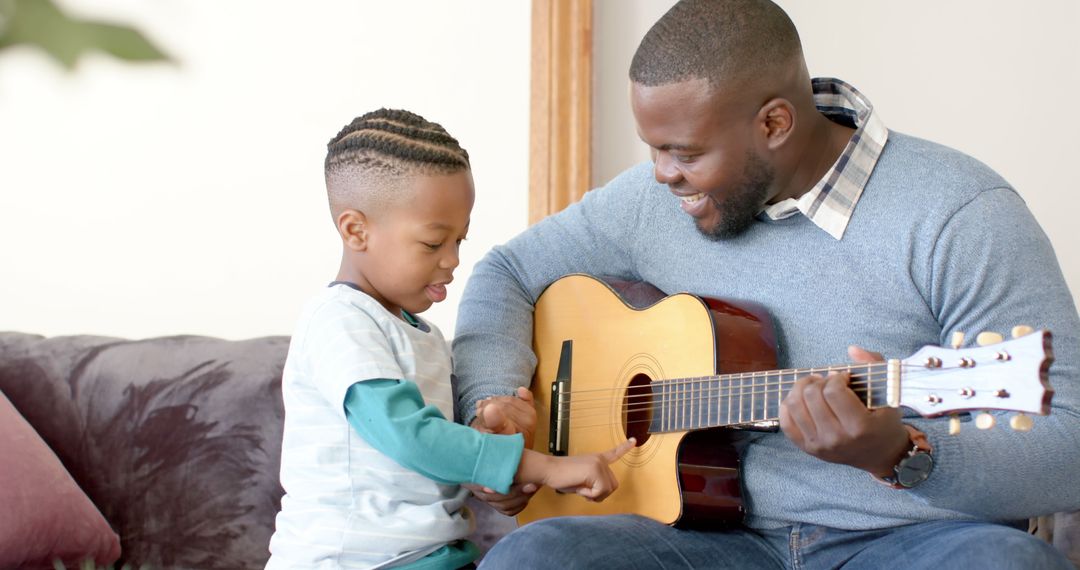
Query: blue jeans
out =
(633, 542)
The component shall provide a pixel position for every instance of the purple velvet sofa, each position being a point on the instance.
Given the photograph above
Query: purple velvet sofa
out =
(175, 442)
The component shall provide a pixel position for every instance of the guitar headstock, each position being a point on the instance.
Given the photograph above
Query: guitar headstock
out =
(1006, 375)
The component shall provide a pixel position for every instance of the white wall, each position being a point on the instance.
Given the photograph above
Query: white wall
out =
(148, 200)
(996, 79)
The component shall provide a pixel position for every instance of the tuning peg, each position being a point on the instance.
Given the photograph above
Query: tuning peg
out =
(984, 421)
(988, 337)
(957, 339)
(1021, 330)
(1021, 422)
(954, 424)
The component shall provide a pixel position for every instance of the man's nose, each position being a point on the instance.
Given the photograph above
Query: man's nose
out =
(664, 169)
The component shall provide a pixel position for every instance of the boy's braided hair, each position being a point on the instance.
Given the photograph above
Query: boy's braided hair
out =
(398, 141)
(382, 147)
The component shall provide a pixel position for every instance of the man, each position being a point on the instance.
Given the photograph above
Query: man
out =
(769, 186)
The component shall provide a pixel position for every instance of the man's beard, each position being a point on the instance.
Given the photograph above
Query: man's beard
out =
(742, 202)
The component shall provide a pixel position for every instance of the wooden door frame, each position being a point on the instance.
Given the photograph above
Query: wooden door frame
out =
(560, 127)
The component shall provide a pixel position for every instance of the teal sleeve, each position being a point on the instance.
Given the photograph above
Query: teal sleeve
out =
(392, 417)
(450, 557)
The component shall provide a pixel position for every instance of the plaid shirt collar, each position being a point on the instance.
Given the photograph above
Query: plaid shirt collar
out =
(831, 201)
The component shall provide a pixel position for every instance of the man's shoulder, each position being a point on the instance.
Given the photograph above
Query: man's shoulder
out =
(636, 177)
(909, 159)
(919, 185)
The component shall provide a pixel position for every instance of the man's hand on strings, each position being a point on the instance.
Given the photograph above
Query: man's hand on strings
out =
(825, 418)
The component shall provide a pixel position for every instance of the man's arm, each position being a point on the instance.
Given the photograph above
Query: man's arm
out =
(493, 355)
(993, 268)
(493, 340)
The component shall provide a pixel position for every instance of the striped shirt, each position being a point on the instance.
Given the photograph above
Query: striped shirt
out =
(346, 505)
(830, 203)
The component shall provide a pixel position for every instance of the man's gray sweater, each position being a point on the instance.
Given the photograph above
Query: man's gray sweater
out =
(937, 243)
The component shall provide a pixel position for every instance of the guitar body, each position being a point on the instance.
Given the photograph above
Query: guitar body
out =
(624, 337)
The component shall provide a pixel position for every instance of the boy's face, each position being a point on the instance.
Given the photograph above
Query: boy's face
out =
(411, 246)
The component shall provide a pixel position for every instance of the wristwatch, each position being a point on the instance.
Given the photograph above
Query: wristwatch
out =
(915, 466)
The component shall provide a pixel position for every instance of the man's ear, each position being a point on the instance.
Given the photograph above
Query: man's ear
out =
(776, 120)
(352, 225)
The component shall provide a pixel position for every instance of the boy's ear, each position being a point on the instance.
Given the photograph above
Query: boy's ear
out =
(352, 226)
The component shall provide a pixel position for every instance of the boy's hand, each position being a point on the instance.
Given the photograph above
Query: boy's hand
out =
(507, 415)
(587, 475)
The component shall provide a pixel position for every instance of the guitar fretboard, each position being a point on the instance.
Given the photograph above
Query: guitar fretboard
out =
(747, 398)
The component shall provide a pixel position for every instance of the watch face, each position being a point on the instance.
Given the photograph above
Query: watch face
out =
(914, 469)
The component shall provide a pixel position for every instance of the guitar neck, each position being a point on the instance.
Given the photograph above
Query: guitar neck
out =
(747, 398)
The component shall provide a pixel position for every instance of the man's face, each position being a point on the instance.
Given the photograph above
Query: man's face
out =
(702, 149)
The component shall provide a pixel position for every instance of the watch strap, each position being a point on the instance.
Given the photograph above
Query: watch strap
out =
(920, 445)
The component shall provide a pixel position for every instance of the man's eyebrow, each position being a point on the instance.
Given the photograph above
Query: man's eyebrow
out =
(667, 146)
(671, 146)
(674, 146)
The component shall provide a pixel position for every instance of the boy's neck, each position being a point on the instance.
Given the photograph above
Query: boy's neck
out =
(347, 273)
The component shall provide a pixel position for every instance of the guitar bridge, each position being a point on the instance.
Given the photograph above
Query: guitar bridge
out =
(765, 425)
(559, 415)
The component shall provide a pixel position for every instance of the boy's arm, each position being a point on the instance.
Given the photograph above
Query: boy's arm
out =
(392, 417)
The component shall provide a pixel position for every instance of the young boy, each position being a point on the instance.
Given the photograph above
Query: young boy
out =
(370, 464)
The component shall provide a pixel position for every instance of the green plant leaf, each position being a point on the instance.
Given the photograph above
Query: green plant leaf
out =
(124, 43)
(42, 24)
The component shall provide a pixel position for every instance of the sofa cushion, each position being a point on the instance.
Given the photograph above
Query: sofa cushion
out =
(176, 439)
(45, 514)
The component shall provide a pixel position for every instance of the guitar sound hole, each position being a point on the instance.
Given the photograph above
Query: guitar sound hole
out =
(638, 408)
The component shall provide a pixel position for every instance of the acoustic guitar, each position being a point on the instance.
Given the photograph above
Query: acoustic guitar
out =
(678, 372)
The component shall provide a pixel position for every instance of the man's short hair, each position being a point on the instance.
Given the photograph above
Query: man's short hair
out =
(721, 41)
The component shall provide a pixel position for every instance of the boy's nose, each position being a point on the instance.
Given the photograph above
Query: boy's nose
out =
(450, 260)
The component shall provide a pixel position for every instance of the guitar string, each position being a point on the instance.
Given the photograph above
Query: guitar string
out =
(711, 391)
(713, 384)
(672, 386)
(683, 419)
(688, 404)
(694, 404)
(911, 368)
(687, 408)
(912, 374)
